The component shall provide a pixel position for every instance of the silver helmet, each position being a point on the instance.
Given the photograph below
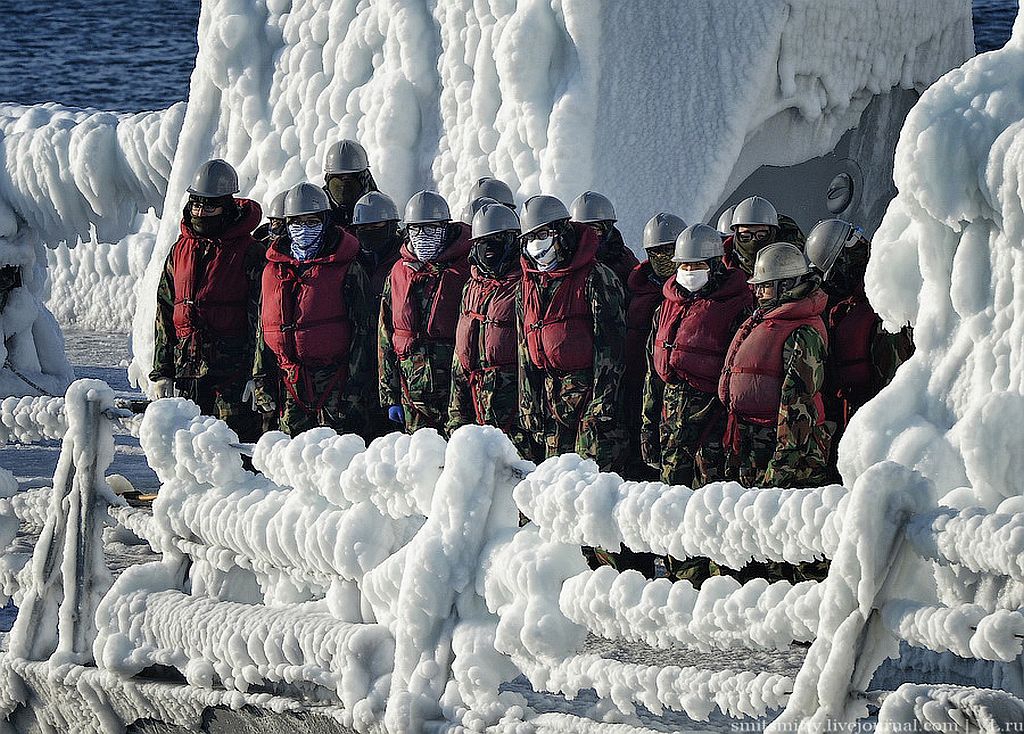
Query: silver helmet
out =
(779, 261)
(214, 179)
(662, 229)
(425, 207)
(753, 211)
(345, 156)
(827, 240)
(305, 198)
(493, 218)
(725, 221)
(495, 189)
(542, 210)
(276, 208)
(698, 243)
(474, 206)
(590, 207)
(374, 207)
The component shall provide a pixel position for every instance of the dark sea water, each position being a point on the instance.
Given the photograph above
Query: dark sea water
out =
(134, 55)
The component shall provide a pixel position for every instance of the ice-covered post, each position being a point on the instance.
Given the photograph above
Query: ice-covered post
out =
(68, 572)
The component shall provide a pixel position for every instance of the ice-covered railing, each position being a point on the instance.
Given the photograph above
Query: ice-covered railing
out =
(393, 584)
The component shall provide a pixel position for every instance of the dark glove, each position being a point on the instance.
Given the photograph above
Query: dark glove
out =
(396, 415)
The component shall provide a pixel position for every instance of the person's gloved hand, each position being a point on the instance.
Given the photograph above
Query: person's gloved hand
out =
(162, 388)
(261, 399)
(396, 414)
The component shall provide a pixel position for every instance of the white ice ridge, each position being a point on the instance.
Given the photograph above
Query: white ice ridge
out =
(982, 541)
(722, 614)
(967, 630)
(695, 691)
(914, 707)
(240, 645)
(573, 502)
(74, 174)
(73, 693)
(31, 419)
(551, 96)
(295, 541)
(948, 259)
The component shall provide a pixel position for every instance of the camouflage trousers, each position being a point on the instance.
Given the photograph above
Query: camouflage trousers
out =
(221, 397)
(426, 388)
(760, 462)
(324, 400)
(570, 424)
(692, 426)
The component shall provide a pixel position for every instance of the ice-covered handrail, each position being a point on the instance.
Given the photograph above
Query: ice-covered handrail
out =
(983, 541)
(207, 500)
(574, 502)
(967, 630)
(723, 614)
(32, 419)
(242, 645)
(695, 691)
(396, 475)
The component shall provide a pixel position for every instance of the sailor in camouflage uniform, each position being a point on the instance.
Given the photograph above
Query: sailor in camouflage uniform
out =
(704, 305)
(375, 223)
(773, 377)
(347, 179)
(574, 326)
(208, 302)
(485, 387)
(863, 357)
(645, 287)
(313, 354)
(418, 314)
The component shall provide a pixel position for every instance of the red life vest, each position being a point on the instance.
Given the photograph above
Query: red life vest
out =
(852, 324)
(694, 333)
(443, 278)
(645, 295)
(560, 335)
(751, 382)
(211, 287)
(304, 314)
(488, 318)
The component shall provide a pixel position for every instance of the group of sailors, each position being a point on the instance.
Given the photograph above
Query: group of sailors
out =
(738, 351)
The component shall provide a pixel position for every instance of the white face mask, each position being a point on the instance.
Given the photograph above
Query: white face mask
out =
(427, 242)
(692, 280)
(543, 252)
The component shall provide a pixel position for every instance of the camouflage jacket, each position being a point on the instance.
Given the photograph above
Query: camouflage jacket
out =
(601, 383)
(420, 380)
(222, 357)
(351, 402)
(801, 440)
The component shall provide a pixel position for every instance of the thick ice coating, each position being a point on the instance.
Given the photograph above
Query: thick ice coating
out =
(948, 260)
(441, 93)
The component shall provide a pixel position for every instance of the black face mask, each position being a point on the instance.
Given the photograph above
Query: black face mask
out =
(494, 256)
(213, 226)
(344, 189)
(377, 240)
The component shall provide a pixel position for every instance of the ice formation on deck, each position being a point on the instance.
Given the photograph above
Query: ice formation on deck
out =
(948, 260)
(549, 96)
